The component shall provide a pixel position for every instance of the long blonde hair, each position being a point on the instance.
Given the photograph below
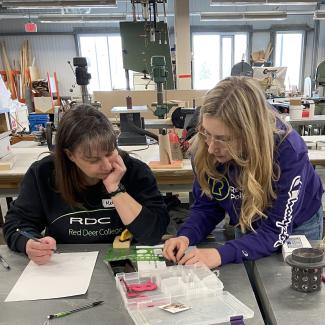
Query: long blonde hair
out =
(240, 104)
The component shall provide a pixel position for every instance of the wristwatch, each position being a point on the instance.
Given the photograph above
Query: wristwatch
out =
(120, 189)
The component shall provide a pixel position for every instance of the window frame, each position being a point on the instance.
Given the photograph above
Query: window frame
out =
(106, 35)
(297, 30)
(221, 34)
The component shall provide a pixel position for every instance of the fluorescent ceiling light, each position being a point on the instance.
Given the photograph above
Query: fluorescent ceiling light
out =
(244, 16)
(6, 16)
(261, 2)
(56, 3)
(319, 15)
(81, 18)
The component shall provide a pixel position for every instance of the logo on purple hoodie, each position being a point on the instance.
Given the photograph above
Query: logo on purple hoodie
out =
(293, 198)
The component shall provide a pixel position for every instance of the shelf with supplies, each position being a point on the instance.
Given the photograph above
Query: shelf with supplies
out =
(13, 113)
(4, 120)
(14, 81)
(46, 104)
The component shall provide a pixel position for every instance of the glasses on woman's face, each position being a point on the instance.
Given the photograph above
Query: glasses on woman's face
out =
(221, 141)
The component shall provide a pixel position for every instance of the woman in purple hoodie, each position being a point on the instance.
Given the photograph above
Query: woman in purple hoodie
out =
(253, 166)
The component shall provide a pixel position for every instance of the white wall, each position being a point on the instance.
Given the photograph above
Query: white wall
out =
(321, 48)
(260, 40)
(51, 54)
(309, 72)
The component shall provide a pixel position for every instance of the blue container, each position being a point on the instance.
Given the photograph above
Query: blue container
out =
(37, 120)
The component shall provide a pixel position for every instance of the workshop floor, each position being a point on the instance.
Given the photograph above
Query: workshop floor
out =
(3, 211)
(1, 238)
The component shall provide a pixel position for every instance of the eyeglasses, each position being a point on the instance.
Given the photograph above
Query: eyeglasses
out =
(219, 142)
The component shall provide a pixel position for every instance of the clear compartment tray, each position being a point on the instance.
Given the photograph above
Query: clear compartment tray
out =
(195, 286)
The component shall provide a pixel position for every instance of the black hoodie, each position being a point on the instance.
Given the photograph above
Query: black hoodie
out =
(40, 207)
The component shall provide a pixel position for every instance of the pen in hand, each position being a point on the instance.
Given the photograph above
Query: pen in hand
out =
(4, 263)
(30, 236)
(66, 313)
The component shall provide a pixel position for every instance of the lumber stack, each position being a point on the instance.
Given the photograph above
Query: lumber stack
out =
(9, 76)
(24, 64)
(17, 76)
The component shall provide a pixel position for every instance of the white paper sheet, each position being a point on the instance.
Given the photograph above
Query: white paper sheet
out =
(67, 274)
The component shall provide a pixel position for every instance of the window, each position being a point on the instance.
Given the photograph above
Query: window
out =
(227, 60)
(214, 55)
(105, 63)
(286, 57)
(206, 61)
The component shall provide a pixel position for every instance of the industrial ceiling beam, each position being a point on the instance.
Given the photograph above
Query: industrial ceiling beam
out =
(262, 2)
(55, 4)
(244, 16)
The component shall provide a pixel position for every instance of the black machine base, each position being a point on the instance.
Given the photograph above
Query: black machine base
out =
(129, 122)
(131, 139)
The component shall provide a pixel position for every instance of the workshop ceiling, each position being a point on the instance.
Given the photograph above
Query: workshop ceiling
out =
(117, 10)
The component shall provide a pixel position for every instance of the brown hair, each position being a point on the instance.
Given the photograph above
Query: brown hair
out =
(86, 127)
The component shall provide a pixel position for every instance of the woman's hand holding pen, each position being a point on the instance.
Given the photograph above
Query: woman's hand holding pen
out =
(174, 248)
(40, 251)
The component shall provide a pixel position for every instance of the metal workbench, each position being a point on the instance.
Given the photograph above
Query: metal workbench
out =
(283, 305)
(102, 287)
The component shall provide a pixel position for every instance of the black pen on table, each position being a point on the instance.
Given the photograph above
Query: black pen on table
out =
(69, 312)
(30, 236)
(4, 263)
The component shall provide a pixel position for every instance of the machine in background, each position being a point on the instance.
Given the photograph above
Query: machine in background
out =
(159, 75)
(131, 125)
(141, 40)
(82, 77)
(242, 69)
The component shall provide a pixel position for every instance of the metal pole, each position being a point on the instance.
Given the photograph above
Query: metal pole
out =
(127, 78)
(84, 94)
(160, 96)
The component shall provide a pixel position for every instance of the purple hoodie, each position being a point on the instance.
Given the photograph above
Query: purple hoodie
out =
(299, 192)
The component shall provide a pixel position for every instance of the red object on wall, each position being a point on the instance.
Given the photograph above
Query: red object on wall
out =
(31, 27)
(305, 113)
(184, 76)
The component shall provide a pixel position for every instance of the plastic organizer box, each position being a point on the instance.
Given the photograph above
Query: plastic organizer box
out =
(195, 287)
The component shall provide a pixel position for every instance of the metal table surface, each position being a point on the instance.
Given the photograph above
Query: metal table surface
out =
(282, 304)
(317, 119)
(102, 287)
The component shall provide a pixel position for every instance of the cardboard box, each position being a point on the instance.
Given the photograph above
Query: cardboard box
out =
(7, 162)
(43, 105)
(4, 122)
(19, 117)
(294, 242)
(5, 147)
